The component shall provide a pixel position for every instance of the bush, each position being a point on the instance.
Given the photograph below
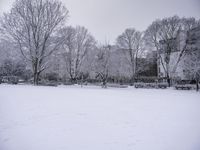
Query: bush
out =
(139, 85)
(11, 79)
(68, 83)
(162, 85)
(150, 85)
(150, 79)
(47, 83)
(52, 76)
(117, 85)
(27, 75)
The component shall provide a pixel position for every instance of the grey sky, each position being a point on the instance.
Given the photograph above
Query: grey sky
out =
(106, 19)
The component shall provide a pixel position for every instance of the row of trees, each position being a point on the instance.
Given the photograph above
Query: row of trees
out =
(37, 30)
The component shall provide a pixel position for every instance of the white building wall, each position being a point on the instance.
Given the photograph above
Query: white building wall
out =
(179, 72)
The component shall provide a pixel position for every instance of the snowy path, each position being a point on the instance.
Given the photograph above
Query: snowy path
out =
(74, 118)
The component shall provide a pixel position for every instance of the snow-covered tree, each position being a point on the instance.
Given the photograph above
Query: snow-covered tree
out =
(192, 65)
(102, 63)
(119, 68)
(192, 62)
(130, 41)
(78, 42)
(169, 38)
(32, 25)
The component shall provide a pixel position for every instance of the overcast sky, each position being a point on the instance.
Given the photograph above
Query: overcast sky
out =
(106, 19)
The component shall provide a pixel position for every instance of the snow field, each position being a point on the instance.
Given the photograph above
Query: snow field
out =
(91, 118)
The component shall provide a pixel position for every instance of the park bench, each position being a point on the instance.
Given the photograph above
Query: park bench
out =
(183, 87)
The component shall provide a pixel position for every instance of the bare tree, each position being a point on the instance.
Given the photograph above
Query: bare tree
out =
(192, 61)
(130, 41)
(32, 25)
(192, 66)
(102, 64)
(77, 43)
(169, 37)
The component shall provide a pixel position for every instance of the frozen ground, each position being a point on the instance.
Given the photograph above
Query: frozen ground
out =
(74, 118)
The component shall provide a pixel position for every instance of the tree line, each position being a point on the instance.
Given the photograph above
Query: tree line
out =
(37, 43)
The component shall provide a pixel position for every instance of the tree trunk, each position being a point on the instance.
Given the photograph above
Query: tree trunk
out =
(36, 78)
(35, 73)
(168, 81)
(133, 74)
(132, 80)
(197, 85)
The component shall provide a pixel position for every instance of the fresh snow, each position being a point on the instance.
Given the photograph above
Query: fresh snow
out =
(91, 118)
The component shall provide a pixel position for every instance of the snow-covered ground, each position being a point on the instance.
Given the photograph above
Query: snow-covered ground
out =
(91, 118)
